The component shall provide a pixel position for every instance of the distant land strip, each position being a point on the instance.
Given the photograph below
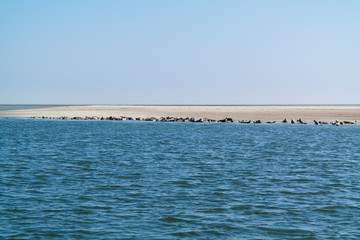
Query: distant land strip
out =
(306, 113)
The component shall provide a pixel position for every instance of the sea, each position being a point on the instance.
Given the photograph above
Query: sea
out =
(78, 179)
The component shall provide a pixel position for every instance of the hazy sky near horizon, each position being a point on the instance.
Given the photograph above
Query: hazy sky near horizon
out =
(179, 52)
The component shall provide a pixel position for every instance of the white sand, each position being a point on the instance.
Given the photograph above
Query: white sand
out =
(265, 113)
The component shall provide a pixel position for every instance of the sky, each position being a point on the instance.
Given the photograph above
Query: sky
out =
(179, 52)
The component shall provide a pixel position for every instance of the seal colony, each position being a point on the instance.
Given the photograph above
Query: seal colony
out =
(295, 114)
(192, 119)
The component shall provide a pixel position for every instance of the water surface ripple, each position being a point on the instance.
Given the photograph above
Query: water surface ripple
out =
(145, 180)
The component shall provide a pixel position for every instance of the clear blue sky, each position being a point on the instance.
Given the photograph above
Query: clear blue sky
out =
(179, 52)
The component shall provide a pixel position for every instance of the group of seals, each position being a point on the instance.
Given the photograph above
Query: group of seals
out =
(191, 119)
(336, 122)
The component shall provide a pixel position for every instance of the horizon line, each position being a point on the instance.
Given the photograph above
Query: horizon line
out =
(195, 104)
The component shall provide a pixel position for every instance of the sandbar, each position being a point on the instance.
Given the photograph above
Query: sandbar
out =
(265, 112)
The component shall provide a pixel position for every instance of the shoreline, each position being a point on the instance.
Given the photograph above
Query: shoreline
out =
(265, 113)
(200, 120)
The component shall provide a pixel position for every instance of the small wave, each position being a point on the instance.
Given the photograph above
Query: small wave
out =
(327, 209)
(172, 219)
(186, 234)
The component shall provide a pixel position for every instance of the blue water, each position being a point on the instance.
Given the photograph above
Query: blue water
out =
(151, 180)
(21, 107)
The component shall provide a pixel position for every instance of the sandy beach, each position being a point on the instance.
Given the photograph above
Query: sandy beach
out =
(265, 113)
